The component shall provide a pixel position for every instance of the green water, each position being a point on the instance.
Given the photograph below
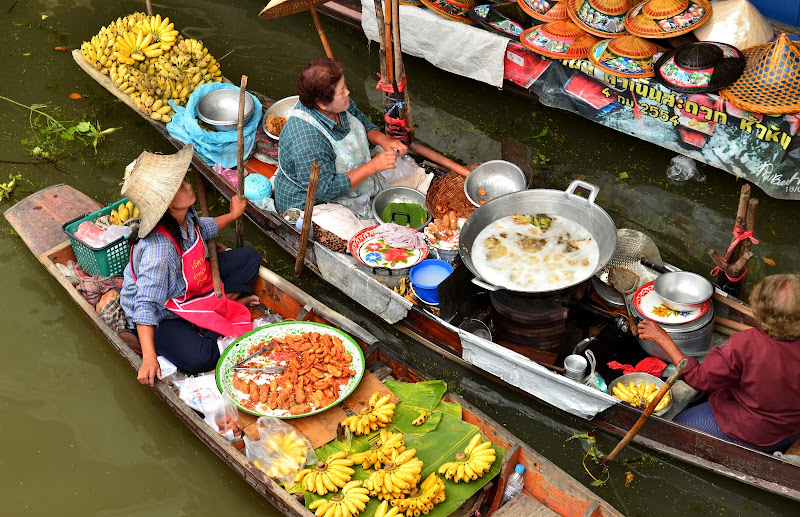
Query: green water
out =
(81, 437)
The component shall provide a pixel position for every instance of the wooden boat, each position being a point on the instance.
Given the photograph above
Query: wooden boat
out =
(39, 218)
(503, 365)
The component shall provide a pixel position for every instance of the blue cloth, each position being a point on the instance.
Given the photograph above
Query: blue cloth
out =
(212, 146)
(159, 273)
(299, 146)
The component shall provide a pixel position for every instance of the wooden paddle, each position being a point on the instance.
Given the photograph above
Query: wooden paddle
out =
(311, 194)
(438, 158)
(647, 412)
(240, 160)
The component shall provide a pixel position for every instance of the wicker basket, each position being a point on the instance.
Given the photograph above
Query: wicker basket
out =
(447, 193)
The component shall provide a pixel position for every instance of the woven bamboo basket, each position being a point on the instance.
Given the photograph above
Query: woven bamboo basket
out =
(447, 193)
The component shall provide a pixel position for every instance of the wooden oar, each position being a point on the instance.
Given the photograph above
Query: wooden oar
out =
(647, 412)
(321, 32)
(240, 160)
(311, 194)
(438, 158)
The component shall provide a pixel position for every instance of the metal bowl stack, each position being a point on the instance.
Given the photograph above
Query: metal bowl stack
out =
(493, 179)
(220, 109)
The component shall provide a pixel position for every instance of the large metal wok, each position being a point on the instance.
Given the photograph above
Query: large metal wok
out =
(567, 204)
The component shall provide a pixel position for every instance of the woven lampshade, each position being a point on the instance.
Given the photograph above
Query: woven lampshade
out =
(545, 10)
(558, 40)
(604, 18)
(703, 66)
(153, 183)
(278, 8)
(667, 18)
(455, 10)
(770, 82)
(626, 56)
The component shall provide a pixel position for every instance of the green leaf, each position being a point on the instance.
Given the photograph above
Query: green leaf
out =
(542, 133)
(425, 395)
(69, 135)
(623, 175)
(83, 127)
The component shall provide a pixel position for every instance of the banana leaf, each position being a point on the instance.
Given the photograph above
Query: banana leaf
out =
(424, 395)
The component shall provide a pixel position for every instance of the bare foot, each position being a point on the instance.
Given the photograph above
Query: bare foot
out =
(249, 301)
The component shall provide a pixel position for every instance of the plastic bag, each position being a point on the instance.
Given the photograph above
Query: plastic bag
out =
(114, 232)
(267, 319)
(682, 168)
(280, 450)
(222, 416)
(91, 234)
(231, 176)
(199, 392)
(403, 166)
(594, 379)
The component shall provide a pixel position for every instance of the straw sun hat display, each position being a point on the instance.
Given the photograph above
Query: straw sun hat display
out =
(153, 182)
(626, 56)
(558, 40)
(455, 10)
(545, 10)
(703, 66)
(667, 18)
(770, 82)
(604, 18)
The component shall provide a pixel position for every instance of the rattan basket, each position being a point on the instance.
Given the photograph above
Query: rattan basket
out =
(447, 193)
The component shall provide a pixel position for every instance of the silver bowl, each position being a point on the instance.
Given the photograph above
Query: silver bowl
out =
(398, 195)
(496, 178)
(683, 290)
(281, 108)
(220, 108)
(638, 377)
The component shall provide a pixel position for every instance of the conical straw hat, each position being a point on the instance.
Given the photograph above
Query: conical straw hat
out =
(153, 183)
(667, 18)
(558, 40)
(771, 80)
(699, 67)
(737, 23)
(604, 18)
(278, 8)
(545, 10)
(626, 56)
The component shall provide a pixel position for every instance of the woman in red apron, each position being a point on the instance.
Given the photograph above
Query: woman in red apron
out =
(167, 293)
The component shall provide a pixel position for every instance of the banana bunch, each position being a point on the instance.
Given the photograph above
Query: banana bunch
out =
(380, 452)
(378, 414)
(471, 464)
(136, 46)
(327, 476)
(351, 502)
(384, 510)
(163, 31)
(290, 450)
(100, 50)
(422, 499)
(122, 213)
(640, 395)
(397, 478)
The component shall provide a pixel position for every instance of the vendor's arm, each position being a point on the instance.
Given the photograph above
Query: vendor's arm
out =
(651, 331)
(236, 210)
(150, 369)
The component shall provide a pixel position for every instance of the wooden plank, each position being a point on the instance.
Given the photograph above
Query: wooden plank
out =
(38, 218)
(524, 506)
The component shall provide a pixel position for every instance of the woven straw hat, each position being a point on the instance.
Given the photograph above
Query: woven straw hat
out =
(545, 10)
(279, 8)
(558, 40)
(737, 23)
(604, 18)
(153, 183)
(667, 18)
(703, 66)
(771, 80)
(626, 56)
(455, 10)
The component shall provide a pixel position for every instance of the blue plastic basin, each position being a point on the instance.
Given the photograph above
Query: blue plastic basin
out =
(426, 277)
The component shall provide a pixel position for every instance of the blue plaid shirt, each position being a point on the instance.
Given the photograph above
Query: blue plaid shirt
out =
(159, 273)
(301, 144)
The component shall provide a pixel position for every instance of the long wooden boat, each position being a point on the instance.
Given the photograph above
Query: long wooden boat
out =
(501, 364)
(38, 219)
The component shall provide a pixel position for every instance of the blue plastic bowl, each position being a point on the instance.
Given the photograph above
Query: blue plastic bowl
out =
(257, 187)
(426, 276)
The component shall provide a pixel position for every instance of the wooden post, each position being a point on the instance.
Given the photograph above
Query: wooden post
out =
(240, 160)
(400, 69)
(311, 194)
(735, 261)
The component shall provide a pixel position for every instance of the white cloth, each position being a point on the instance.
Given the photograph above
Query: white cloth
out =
(737, 23)
(339, 220)
(455, 47)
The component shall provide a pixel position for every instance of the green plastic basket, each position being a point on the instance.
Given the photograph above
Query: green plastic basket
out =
(109, 260)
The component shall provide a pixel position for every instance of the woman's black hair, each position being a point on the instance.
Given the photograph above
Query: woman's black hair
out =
(172, 227)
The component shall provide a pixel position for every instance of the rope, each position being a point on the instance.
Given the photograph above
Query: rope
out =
(716, 270)
(740, 235)
(395, 127)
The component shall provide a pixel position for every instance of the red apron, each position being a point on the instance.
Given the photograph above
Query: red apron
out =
(199, 305)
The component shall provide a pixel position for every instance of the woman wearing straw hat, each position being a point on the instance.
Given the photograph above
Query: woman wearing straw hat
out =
(327, 127)
(753, 379)
(167, 292)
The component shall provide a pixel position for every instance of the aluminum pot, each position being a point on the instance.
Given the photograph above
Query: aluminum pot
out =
(566, 203)
(683, 290)
(692, 338)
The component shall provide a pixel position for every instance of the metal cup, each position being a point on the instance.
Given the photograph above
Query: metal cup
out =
(575, 367)
(476, 327)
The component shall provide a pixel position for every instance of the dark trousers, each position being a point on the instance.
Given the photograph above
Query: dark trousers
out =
(193, 349)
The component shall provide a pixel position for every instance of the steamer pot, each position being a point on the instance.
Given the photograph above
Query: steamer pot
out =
(692, 338)
(566, 203)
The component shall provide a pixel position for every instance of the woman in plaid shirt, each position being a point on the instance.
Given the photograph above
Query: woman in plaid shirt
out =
(327, 127)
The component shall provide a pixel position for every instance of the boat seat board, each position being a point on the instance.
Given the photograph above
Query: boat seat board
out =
(524, 506)
(794, 449)
(38, 218)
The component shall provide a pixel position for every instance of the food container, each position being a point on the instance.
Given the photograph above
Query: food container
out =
(387, 264)
(692, 331)
(220, 108)
(638, 377)
(493, 179)
(281, 108)
(391, 195)
(109, 260)
(445, 249)
(683, 290)
(426, 277)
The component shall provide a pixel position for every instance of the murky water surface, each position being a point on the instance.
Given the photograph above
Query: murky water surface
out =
(81, 437)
